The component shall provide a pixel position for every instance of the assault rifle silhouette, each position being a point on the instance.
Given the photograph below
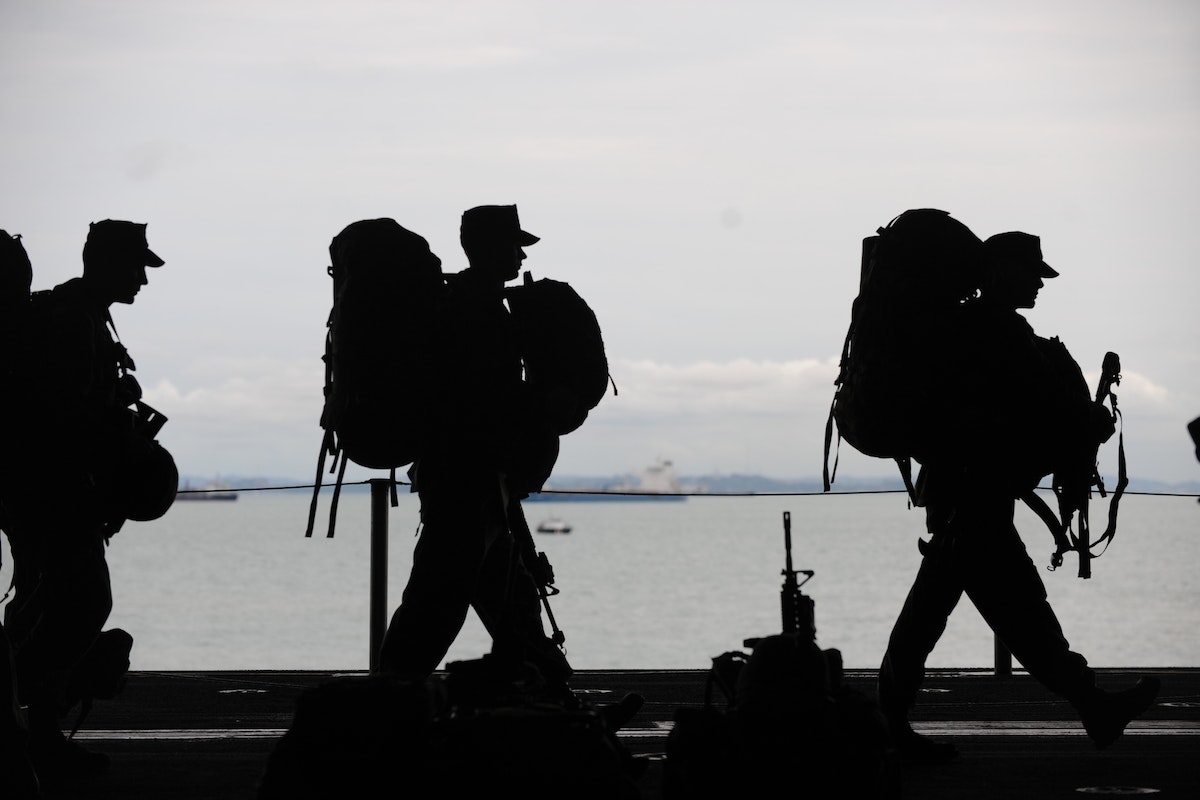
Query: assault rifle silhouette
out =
(797, 608)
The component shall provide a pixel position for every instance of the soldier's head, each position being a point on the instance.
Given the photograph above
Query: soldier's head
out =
(115, 257)
(1015, 269)
(492, 238)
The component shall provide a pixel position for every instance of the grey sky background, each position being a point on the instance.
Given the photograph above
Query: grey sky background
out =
(702, 172)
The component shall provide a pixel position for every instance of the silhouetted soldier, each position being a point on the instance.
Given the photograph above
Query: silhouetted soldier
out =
(59, 518)
(1026, 412)
(477, 463)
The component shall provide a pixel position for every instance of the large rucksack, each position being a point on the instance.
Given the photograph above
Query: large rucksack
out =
(890, 399)
(387, 290)
(562, 348)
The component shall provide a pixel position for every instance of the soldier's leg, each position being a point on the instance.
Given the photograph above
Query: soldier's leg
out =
(447, 561)
(1008, 590)
(933, 596)
(1012, 598)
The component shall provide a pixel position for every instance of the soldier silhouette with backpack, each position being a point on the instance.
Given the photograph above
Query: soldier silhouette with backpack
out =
(490, 442)
(91, 463)
(1019, 408)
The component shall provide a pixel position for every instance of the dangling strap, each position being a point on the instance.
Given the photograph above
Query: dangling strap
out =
(1122, 482)
(337, 494)
(1110, 376)
(905, 465)
(1083, 542)
(326, 447)
(828, 475)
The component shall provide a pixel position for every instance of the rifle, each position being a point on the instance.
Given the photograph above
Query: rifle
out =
(1072, 499)
(536, 562)
(797, 608)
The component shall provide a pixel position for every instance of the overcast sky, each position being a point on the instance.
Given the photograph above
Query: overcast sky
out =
(701, 172)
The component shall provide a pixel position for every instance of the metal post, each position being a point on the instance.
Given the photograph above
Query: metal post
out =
(380, 488)
(1003, 659)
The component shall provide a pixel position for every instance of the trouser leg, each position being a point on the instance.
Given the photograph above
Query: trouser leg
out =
(58, 610)
(934, 594)
(446, 563)
(1011, 596)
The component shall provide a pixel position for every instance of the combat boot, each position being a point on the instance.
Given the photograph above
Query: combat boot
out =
(1105, 714)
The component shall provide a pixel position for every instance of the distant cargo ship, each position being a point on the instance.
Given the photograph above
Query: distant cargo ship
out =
(657, 483)
(211, 491)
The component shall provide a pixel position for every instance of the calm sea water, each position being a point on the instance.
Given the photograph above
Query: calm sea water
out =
(236, 585)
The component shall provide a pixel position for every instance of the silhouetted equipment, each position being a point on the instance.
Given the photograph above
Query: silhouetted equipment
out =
(787, 713)
(889, 400)
(459, 735)
(796, 608)
(537, 563)
(1073, 498)
(562, 349)
(387, 290)
(149, 481)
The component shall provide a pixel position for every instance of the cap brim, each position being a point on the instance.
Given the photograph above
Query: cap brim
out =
(153, 260)
(525, 238)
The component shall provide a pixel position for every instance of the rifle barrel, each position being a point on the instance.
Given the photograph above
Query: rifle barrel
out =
(787, 540)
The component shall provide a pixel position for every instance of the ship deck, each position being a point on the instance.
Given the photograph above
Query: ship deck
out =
(187, 735)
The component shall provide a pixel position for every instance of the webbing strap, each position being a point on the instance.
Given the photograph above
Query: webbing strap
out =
(337, 494)
(312, 506)
(826, 474)
(1122, 481)
(905, 465)
(1056, 526)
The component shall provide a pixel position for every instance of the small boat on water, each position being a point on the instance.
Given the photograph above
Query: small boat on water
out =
(211, 491)
(554, 525)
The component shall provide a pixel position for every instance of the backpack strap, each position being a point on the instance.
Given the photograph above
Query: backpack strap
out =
(327, 446)
(905, 465)
(829, 475)
(337, 493)
(1055, 524)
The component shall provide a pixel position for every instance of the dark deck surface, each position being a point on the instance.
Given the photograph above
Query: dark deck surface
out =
(185, 735)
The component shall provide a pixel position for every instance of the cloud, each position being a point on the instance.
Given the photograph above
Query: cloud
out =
(708, 387)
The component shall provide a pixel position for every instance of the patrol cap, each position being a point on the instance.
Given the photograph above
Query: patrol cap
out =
(1019, 249)
(119, 238)
(494, 223)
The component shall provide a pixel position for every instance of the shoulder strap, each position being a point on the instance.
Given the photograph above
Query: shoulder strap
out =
(1055, 524)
